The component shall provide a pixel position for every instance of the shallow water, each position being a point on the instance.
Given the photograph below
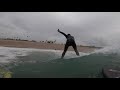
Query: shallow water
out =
(83, 67)
(32, 63)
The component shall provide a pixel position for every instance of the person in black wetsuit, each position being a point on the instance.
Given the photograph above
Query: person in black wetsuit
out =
(70, 42)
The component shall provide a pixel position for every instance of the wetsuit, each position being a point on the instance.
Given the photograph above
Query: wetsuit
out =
(70, 42)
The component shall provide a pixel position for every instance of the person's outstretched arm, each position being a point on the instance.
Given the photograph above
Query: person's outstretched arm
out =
(62, 33)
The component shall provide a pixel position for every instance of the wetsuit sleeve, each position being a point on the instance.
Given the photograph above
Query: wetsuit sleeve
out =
(63, 34)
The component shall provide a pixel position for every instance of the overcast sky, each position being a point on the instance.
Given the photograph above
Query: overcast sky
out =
(88, 28)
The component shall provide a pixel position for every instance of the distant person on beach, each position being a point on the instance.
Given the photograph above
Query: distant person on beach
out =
(70, 42)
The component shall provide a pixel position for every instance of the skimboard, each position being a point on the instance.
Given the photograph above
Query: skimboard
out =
(111, 72)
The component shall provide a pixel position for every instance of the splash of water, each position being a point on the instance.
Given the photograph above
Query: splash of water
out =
(8, 55)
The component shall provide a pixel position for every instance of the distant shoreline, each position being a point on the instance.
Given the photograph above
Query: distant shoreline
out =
(42, 45)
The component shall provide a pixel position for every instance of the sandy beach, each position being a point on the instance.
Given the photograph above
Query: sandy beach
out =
(41, 45)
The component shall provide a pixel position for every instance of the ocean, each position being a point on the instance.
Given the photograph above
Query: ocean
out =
(40, 63)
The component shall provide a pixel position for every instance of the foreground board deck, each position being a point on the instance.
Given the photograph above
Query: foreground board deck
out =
(111, 72)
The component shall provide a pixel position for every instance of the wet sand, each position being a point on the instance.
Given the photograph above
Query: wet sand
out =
(41, 45)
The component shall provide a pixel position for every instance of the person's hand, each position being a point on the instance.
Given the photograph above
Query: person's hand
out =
(58, 30)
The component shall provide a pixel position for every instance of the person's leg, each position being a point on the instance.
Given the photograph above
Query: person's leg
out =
(75, 48)
(65, 49)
